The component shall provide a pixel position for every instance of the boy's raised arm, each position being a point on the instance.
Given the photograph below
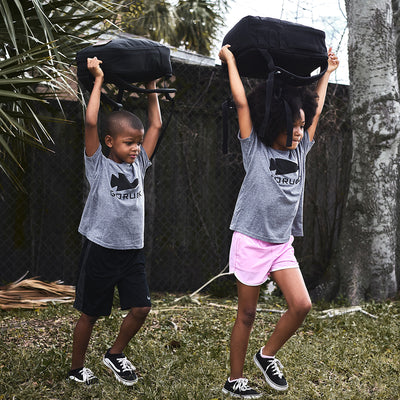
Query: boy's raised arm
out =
(154, 121)
(92, 141)
(322, 86)
(238, 92)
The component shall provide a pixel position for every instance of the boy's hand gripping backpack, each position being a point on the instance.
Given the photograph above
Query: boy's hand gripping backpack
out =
(271, 49)
(126, 61)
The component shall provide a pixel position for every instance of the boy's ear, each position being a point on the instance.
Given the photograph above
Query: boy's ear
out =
(108, 140)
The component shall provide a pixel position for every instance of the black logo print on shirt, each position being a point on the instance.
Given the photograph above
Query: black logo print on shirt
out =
(282, 166)
(122, 182)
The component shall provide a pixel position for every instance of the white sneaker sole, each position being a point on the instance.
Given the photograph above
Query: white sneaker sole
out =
(122, 380)
(238, 396)
(270, 383)
(75, 379)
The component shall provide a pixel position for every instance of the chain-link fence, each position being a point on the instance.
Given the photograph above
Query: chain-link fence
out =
(39, 227)
(190, 190)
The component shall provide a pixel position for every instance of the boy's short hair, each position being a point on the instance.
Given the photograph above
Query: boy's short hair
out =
(297, 97)
(118, 119)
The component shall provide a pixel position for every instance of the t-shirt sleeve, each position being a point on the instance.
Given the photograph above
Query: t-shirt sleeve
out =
(143, 160)
(247, 144)
(93, 163)
(306, 143)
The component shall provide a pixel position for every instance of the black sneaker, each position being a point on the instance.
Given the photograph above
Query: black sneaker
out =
(239, 388)
(83, 375)
(270, 367)
(123, 369)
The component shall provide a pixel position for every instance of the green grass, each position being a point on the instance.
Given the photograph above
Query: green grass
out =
(182, 352)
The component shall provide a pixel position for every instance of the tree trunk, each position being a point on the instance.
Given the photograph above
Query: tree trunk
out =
(367, 250)
(396, 23)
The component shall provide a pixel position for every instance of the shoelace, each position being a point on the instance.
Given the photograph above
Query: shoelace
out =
(275, 365)
(241, 384)
(126, 365)
(87, 374)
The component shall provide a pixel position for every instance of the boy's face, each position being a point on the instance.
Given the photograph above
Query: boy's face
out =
(298, 133)
(126, 145)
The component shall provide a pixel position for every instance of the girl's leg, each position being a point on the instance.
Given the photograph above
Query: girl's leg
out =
(82, 333)
(130, 325)
(247, 305)
(291, 283)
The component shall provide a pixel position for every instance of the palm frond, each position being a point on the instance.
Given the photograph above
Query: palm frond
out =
(38, 44)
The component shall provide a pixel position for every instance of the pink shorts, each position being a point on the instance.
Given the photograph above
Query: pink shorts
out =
(252, 260)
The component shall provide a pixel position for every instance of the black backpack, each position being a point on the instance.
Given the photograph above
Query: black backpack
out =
(273, 49)
(127, 61)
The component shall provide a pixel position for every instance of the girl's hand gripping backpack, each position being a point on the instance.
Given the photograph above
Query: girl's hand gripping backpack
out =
(273, 49)
(126, 61)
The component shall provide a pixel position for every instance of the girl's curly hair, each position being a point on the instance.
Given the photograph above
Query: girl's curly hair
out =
(297, 97)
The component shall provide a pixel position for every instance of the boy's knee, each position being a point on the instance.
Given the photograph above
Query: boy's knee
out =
(140, 312)
(89, 319)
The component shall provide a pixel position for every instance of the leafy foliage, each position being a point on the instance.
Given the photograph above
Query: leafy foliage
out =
(39, 40)
(189, 24)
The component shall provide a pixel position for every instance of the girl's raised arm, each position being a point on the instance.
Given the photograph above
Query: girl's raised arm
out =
(333, 63)
(238, 92)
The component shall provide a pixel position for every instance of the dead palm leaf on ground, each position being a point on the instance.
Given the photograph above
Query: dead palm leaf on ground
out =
(33, 293)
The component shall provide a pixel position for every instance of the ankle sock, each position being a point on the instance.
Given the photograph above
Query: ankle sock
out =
(264, 356)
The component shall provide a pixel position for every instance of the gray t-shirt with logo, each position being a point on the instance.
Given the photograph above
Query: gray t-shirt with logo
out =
(113, 216)
(270, 202)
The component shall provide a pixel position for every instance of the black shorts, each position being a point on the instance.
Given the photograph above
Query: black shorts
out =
(102, 269)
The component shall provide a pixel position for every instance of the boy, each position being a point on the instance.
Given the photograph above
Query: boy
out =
(113, 226)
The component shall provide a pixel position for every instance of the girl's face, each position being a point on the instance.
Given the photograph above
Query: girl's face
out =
(126, 145)
(298, 133)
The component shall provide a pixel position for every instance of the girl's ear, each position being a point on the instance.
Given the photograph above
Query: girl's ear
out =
(108, 140)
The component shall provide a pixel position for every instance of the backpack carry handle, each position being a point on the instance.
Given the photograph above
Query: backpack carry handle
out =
(122, 84)
(289, 77)
(297, 80)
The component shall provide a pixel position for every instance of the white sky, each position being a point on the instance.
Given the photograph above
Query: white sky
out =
(327, 15)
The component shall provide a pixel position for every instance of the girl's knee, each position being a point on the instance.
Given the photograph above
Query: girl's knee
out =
(302, 308)
(247, 316)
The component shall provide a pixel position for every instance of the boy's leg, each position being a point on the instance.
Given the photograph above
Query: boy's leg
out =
(129, 327)
(291, 283)
(134, 296)
(247, 305)
(114, 359)
(82, 333)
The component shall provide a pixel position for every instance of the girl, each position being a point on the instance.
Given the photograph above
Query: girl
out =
(268, 214)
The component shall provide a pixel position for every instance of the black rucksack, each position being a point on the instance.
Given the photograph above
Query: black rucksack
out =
(273, 49)
(126, 61)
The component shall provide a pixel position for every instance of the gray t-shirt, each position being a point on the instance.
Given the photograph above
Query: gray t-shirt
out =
(270, 202)
(113, 216)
